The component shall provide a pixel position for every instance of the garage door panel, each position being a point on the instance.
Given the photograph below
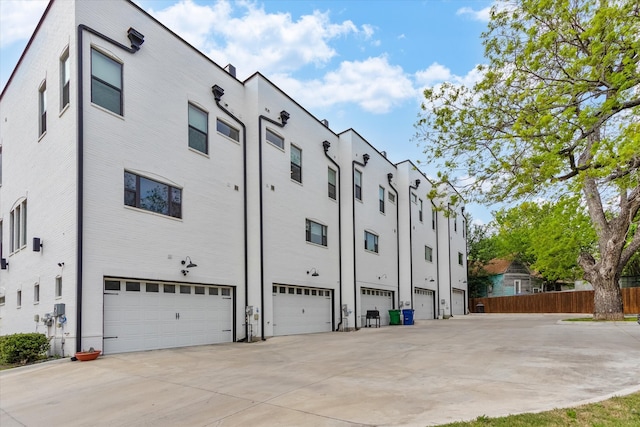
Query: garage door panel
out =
(298, 310)
(377, 299)
(457, 307)
(423, 300)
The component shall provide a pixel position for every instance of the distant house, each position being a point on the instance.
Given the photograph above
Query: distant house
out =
(509, 277)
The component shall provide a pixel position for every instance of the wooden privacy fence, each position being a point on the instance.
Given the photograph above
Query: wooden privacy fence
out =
(553, 302)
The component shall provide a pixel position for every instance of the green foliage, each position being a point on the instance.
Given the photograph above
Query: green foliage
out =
(481, 244)
(23, 348)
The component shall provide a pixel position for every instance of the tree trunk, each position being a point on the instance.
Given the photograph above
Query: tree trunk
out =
(607, 299)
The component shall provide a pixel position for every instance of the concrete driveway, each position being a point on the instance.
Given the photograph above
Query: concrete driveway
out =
(430, 373)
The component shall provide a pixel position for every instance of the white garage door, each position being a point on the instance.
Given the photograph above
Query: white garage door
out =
(458, 303)
(142, 315)
(300, 310)
(423, 300)
(376, 299)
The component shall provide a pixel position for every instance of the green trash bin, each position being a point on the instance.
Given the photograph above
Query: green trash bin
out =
(394, 317)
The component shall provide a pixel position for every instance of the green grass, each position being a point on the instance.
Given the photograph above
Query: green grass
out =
(616, 412)
(590, 319)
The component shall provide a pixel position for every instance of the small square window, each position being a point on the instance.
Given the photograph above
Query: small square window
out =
(228, 130)
(111, 285)
(292, 291)
(370, 242)
(169, 289)
(152, 287)
(213, 291)
(199, 290)
(185, 289)
(316, 233)
(133, 286)
(299, 291)
(274, 139)
(226, 292)
(391, 197)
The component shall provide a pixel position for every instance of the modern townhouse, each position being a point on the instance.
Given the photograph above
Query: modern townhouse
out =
(149, 199)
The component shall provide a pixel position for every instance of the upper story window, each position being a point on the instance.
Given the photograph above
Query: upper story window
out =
(18, 227)
(332, 183)
(455, 223)
(357, 184)
(276, 140)
(381, 199)
(42, 109)
(65, 76)
(414, 198)
(296, 164)
(464, 228)
(58, 286)
(150, 195)
(420, 211)
(460, 258)
(370, 242)
(106, 82)
(391, 197)
(19, 298)
(198, 129)
(227, 130)
(316, 233)
(36, 293)
(428, 253)
(434, 214)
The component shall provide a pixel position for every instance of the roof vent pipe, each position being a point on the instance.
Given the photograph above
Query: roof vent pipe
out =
(231, 70)
(325, 122)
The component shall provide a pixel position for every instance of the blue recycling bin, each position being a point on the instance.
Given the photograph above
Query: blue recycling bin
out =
(407, 316)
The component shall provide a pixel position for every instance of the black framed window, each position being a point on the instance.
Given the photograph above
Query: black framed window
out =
(296, 164)
(381, 199)
(106, 82)
(275, 139)
(428, 253)
(42, 107)
(460, 258)
(227, 130)
(198, 129)
(316, 233)
(433, 218)
(332, 183)
(370, 242)
(357, 182)
(420, 211)
(65, 76)
(151, 195)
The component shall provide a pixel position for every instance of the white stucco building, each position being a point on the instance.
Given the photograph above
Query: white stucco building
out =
(150, 199)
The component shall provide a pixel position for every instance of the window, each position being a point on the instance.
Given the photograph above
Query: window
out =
(433, 218)
(316, 233)
(414, 198)
(428, 253)
(19, 298)
(464, 227)
(296, 164)
(65, 72)
(2, 299)
(332, 183)
(460, 259)
(42, 108)
(370, 242)
(18, 227)
(169, 289)
(184, 289)
(455, 224)
(420, 211)
(36, 293)
(106, 82)
(227, 130)
(381, 198)
(58, 287)
(276, 140)
(152, 287)
(111, 285)
(357, 182)
(150, 195)
(132, 286)
(198, 129)
(392, 198)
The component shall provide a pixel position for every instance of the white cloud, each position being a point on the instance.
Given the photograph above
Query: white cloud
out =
(373, 84)
(483, 15)
(18, 19)
(436, 74)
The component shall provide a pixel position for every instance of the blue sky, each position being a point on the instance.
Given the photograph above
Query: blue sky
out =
(360, 64)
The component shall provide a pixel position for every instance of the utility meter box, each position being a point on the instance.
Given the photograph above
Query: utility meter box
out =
(58, 310)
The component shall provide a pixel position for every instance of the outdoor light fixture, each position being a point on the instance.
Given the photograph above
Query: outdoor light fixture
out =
(4, 265)
(190, 265)
(313, 272)
(430, 278)
(37, 244)
(384, 276)
(61, 264)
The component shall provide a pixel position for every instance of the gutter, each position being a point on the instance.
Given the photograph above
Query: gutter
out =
(436, 309)
(411, 187)
(389, 178)
(325, 146)
(365, 158)
(136, 41)
(217, 94)
(450, 266)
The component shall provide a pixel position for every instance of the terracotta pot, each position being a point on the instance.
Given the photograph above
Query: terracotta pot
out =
(87, 355)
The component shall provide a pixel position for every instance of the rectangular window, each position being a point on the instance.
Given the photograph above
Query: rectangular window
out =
(169, 289)
(460, 259)
(152, 287)
(106, 82)
(434, 214)
(428, 253)
(332, 184)
(58, 287)
(370, 242)
(276, 140)
(392, 198)
(455, 224)
(420, 211)
(316, 233)
(296, 164)
(65, 73)
(150, 195)
(132, 286)
(227, 130)
(18, 227)
(357, 182)
(42, 108)
(464, 228)
(19, 298)
(36, 293)
(111, 285)
(184, 289)
(381, 198)
(2, 299)
(414, 198)
(198, 129)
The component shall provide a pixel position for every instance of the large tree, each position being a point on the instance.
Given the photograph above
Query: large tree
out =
(556, 112)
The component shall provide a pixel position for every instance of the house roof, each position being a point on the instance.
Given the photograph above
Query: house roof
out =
(497, 266)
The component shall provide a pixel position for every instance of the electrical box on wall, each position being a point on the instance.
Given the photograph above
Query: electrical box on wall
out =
(58, 310)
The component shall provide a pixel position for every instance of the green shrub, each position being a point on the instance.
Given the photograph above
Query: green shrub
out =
(23, 348)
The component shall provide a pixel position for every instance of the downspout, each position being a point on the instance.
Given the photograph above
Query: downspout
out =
(411, 187)
(284, 117)
(218, 92)
(466, 257)
(325, 146)
(365, 158)
(389, 178)
(136, 41)
(436, 305)
(450, 266)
